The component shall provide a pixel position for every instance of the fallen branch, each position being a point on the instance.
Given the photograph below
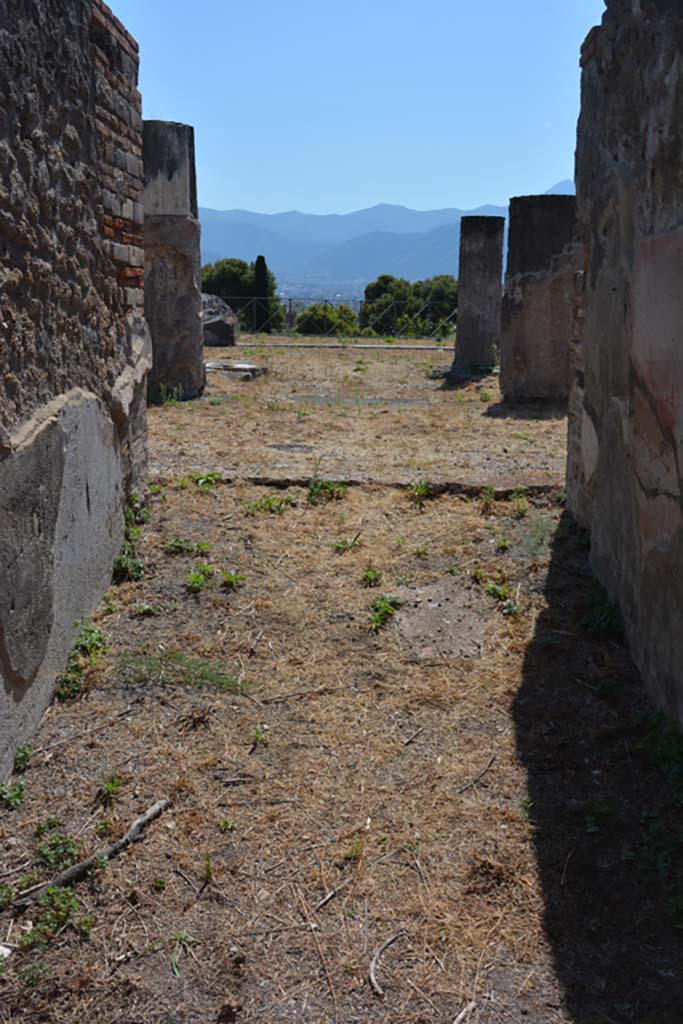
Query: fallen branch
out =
(480, 776)
(372, 976)
(78, 871)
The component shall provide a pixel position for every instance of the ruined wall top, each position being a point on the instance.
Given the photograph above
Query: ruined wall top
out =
(539, 228)
(170, 181)
(487, 226)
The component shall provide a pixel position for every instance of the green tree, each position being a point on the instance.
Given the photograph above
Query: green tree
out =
(249, 288)
(322, 318)
(393, 305)
(264, 289)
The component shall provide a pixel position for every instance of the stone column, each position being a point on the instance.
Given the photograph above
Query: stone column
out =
(173, 301)
(479, 295)
(538, 298)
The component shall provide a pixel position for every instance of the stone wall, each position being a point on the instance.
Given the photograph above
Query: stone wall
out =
(173, 299)
(74, 347)
(626, 413)
(479, 294)
(538, 299)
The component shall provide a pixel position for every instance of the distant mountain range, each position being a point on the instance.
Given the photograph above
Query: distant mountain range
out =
(326, 254)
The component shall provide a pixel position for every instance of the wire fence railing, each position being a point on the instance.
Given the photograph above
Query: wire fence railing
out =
(383, 317)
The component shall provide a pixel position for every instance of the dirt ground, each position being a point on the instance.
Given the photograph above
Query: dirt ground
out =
(458, 810)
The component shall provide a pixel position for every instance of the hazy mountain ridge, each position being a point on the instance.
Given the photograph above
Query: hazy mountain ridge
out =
(342, 252)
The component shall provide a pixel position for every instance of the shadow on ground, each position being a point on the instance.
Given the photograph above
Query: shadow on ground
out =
(530, 410)
(605, 778)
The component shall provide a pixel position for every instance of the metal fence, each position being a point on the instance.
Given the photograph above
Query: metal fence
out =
(320, 317)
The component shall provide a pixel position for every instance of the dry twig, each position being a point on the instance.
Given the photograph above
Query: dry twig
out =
(479, 777)
(372, 975)
(80, 870)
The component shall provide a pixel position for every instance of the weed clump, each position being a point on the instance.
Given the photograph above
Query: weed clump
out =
(200, 578)
(55, 911)
(275, 506)
(206, 481)
(371, 577)
(58, 852)
(382, 610)
(11, 795)
(421, 492)
(321, 490)
(90, 645)
(127, 566)
(348, 543)
(174, 668)
(181, 546)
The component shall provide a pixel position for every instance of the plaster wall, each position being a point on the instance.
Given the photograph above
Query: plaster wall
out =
(625, 463)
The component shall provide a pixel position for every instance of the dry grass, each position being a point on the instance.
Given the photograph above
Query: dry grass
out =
(347, 785)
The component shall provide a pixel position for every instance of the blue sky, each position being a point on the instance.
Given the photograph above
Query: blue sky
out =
(331, 108)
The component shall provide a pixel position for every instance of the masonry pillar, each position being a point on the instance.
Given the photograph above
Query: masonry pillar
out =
(479, 295)
(538, 306)
(173, 301)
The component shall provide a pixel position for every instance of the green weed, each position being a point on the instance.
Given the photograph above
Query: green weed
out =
(170, 395)
(12, 794)
(275, 506)
(32, 975)
(259, 736)
(371, 577)
(127, 569)
(421, 492)
(382, 610)
(520, 504)
(227, 826)
(485, 395)
(89, 646)
(502, 544)
(206, 481)
(58, 852)
(321, 490)
(22, 758)
(143, 611)
(348, 543)
(181, 546)
(49, 825)
(501, 592)
(200, 578)
(233, 580)
(182, 943)
(488, 498)
(174, 668)
(109, 790)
